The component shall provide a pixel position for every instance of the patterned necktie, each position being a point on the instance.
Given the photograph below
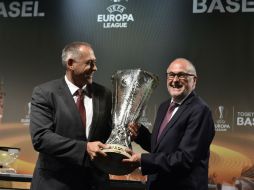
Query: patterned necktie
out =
(167, 117)
(81, 106)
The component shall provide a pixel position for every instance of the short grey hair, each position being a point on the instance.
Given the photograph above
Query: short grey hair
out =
(71, 51)
(191, 68)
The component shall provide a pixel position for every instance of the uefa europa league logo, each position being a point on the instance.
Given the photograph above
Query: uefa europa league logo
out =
(222, 122)
(26, 120)
(221, 111)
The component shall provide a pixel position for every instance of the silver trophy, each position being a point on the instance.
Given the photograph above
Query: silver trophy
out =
(132, 89)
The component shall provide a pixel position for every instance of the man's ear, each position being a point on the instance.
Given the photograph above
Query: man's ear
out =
(70, 64)
(195, 82)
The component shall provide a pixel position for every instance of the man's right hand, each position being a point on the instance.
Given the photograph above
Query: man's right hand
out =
(95, 149)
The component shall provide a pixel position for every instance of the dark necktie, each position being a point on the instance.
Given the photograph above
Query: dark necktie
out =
(167, 118)
(80, 106)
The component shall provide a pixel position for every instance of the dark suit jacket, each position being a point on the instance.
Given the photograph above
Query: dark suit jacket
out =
(179, 160)
(59, 137)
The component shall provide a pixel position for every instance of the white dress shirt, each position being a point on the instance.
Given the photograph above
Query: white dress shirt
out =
(87, 101)
(179, 104)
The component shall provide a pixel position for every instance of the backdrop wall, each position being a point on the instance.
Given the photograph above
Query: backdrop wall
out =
(216, 36)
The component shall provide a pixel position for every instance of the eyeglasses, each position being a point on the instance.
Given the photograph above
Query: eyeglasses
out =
(180, 75)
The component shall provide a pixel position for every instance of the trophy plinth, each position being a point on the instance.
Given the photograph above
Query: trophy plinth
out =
(112, 163)
(7, 156)
(132, 89)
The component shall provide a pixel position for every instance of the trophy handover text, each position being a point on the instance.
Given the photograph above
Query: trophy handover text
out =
(132, 89)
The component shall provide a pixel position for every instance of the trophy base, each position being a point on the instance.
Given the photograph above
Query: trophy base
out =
(112, 163)
(7, 170)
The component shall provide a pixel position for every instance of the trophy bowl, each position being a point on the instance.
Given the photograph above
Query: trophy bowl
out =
(132, 89)
(8, 155)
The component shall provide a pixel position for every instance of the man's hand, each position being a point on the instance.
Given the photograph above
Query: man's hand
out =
(95, 149)
(133, 128)
(134, 160)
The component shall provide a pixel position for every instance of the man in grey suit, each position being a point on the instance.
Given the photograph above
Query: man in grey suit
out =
(180, 141)
(66, 140)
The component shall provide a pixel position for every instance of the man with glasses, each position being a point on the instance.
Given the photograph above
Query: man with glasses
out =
(70, 121)
(179, 146)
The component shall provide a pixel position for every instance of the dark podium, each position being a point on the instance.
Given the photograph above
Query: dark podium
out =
(114, 184)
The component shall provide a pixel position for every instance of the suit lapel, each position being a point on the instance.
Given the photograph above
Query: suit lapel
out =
(96, 105)
(161, 114)
(173, 119)
(171, 123)
(65, 93)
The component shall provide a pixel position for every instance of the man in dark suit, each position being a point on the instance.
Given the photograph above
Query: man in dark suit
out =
(179, 144)
(65, 138)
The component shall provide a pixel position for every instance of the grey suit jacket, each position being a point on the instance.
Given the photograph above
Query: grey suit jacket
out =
(59, 137)
(179, 159)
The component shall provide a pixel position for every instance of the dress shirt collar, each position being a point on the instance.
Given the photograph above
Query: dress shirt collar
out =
(180, 103)
(73, 88)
